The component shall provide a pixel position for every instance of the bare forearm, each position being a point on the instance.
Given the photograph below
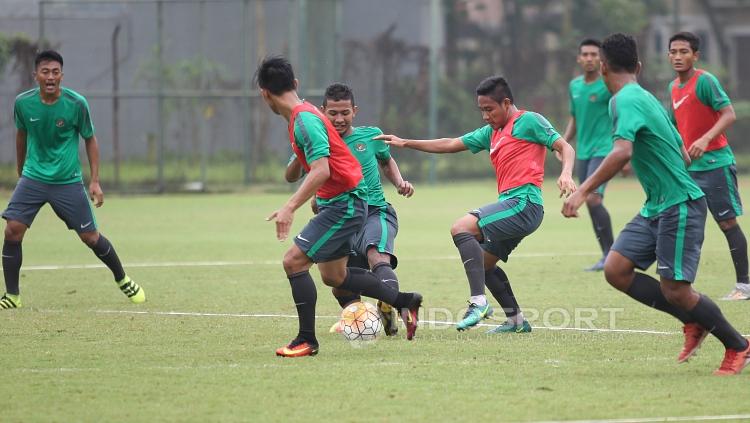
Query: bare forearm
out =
(92, 151)
(570, 129)
(314, 180)
(391, 172)
(440, 145)
(20, 151)
(726, 119)
(293, 171)
(568, 159)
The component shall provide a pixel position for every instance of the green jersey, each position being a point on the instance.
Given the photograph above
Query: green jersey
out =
(698, 117)
(638, 117)
(369, 153)
(589, 106)
(52, 135)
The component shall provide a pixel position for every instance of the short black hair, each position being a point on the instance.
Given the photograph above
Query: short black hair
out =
(590, 42)
(496, 88)
(692, 39)
(620, 52)
(48, 56)
(337, 92)
(275, 74)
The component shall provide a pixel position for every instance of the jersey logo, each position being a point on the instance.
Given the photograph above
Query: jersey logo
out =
(360, 147)
(60, 123)
(33, 119)
(497, 144)
(677, 104)
(592, 98)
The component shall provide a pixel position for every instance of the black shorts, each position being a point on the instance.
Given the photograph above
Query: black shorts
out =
(381, 228)
(330, 234)
(69, 201)
(673, 239)
(586, 168)
(720, 187)
(505, 223)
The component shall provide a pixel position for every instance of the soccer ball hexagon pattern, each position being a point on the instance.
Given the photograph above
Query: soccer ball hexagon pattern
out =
(360, 321)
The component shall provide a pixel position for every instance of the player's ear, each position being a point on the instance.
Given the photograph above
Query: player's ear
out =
(354, 111)
(296, 84)
(638, 68)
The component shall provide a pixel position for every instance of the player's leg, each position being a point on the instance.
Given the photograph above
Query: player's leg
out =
(499, 285)
(379, 239)
(722, 196)
(28, 197)
(297, 268)
(71, 204)
(600, 218)
(680, 237)
(466, 237)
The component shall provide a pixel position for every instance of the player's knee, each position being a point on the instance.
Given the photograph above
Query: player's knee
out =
(593, 200)
(292, 263)
(617, 276)
(89, 238)
(726, 225)
(678, 294)
(14, 231)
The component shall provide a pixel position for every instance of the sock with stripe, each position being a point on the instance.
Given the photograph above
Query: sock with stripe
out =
(602, 227)
(707, 314)
(364, 282)
(12, 259)
(385, 272)
(472, 257)
(107, 254)
(499, 285)
(305, 297)
(738, 250)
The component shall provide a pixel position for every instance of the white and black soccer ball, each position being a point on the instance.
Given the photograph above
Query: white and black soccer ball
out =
(360, 321)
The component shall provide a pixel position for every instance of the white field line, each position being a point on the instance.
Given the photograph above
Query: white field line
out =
(428, 322)
(657, 419)
(264, 262)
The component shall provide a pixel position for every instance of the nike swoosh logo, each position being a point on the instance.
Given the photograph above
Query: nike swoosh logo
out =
(83, 225)
(33, 120)
(497, 144)
(662, 267)
(677, 104)
(4, 256)
(302, 239)
(723, 213)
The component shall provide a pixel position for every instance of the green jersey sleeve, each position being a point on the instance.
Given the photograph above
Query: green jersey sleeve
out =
(478, 139)
(710, 92)
(382, 150)
(624, 125)
(18, 117)
(85, 125)
(533, 127)
(311, 136)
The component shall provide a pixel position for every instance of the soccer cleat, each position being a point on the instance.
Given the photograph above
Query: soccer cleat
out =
(741, 291)
(410, 315)
(336, 328)
(510, 327)
(694, 336)
(388, 316)
(474, 314)
(133, 291)
(9, 301)
(596, 267)
(298, 348)
(734, 361)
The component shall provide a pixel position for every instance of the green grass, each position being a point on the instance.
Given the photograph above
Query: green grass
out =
(64, 359)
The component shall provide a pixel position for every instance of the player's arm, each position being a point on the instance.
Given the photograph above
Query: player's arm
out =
(570, 132)
(294, 170)
(319, 174)
(20, 150)
(391, 171)
(92, 152)
(613, 163)
(439, 145)
(568, 156)
(726, 118)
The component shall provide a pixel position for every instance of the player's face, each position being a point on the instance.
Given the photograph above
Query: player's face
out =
(493, 113)
(588, 58)
(48, 75)
(341, 114)
(681, 56)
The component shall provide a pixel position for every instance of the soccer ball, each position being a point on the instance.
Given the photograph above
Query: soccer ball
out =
(360, 321)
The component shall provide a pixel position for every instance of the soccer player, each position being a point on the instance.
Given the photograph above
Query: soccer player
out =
(335, 177)
(702, 113)
(374, 245)
(49, 121)
(517, 141)
(589, 122)
(669, 227)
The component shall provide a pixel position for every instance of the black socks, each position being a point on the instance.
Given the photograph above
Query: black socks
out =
(305, 296)
(647, 290)
(707, 314)
(472, 257)
(602, 227)
(738, 250)
(106, 253)
(12, 258)
(498, 284)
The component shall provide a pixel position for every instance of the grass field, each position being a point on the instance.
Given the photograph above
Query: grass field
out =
(202, 347)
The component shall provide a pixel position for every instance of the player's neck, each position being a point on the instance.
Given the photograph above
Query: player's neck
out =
(49, 98)
(287, 102)
(589, 77)
(618, 81)
(348, 132)
(686, 75)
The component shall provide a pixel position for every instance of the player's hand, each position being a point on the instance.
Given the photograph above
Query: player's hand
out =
(314, 205)
(698, 148)
(284, 218)
(391, 140)
(566, 185)
(572, 204)
(96, 194)
(405, 188)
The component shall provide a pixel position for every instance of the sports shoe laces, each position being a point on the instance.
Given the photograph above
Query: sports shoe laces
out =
(470, 310)
(729, 357)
